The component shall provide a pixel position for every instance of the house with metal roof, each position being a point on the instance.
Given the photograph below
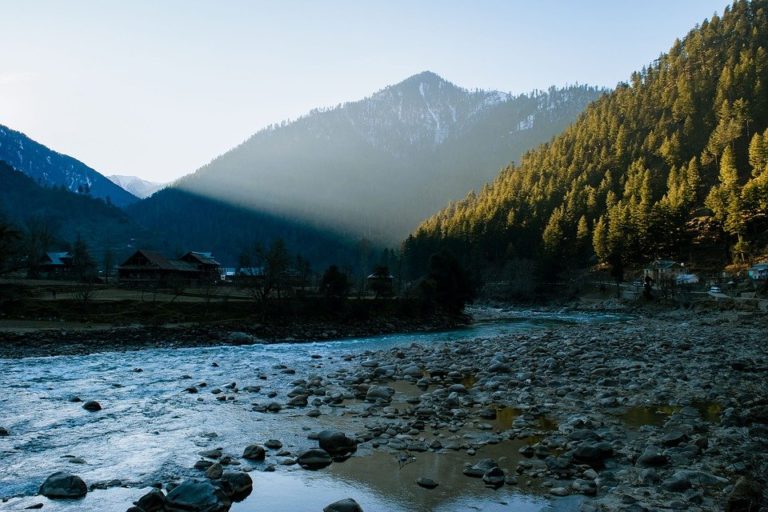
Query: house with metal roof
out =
(55, 265)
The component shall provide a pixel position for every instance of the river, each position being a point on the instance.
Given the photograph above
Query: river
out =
(150, 429)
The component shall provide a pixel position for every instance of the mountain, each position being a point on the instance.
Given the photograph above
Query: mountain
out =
(377, 166)
(672, 164)
(135, 185)
(51, 169)
(55, 217)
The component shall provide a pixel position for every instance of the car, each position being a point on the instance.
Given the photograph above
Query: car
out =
(715, 289)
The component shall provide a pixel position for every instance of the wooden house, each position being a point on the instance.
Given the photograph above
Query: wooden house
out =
(150, 268)
(55, 265)
(209, 268)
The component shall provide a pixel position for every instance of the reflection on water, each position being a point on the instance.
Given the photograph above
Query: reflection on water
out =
(657, 415)
(468, 381)
(654, 415)
(381, 482)
(505, 417)
(710, 411)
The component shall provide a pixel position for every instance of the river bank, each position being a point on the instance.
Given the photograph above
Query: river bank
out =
(661, 412)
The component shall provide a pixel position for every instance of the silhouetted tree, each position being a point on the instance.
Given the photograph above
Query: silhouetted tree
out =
(448, 283)
(334, 284)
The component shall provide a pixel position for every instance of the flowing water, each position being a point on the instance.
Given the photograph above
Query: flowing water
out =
(151, 430)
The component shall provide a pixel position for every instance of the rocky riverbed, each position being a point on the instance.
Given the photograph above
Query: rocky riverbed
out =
(656, 413)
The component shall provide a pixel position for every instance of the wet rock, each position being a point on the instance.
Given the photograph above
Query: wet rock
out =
(746, 496)
(559, 491)
(215, 453)
(193, 495)
(673, 438)
(488, 413)
(215, 471)
(586, 487)
(203, 464)
(254, 452)
(314, 459)
(413, 371)
(298, 401)
(677, 483)
(273, 444)
(593, 454)
(347, 505)
(383, 393)
(236, 484)
(480, 468)
(4, 432)
(426, 483)
(527, 451)
(336, 443)
(153, 501)
(274, 407)
(648, 476)
(652, 456)
(63, 485)
(191, 389)
(494, 477)
(92, 406)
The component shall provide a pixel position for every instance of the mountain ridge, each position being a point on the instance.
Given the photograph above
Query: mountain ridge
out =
(53, 169)
(375, 167)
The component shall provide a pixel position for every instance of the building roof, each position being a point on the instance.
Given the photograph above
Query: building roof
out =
(205, 258)
(156, 259)
(57, 258)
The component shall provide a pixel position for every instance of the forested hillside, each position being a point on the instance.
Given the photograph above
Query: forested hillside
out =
(672, 164)
(185, 221)
(52, 218)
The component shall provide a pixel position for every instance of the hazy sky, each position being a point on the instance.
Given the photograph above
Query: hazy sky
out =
(157, 88)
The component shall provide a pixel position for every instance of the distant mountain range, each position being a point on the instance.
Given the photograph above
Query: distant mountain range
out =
(136, 186)
(378, 166)
(51, 169)
(368, 169)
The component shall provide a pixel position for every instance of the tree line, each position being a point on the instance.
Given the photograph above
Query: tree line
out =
(671, 164)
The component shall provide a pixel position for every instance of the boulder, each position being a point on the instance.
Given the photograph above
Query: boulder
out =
(198, 496)
(494, 477)
(314, 459)
(153, 501)
(426, 483)
(92, 406)
(593, 453)
(254, 452)
(652, 456)
(236, 484)
(63, 485)
(481, 468)
(347, 505)
(745, 497)
(214, 472)
(336, 443)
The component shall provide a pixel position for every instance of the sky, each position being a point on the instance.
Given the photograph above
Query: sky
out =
(156, 89)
